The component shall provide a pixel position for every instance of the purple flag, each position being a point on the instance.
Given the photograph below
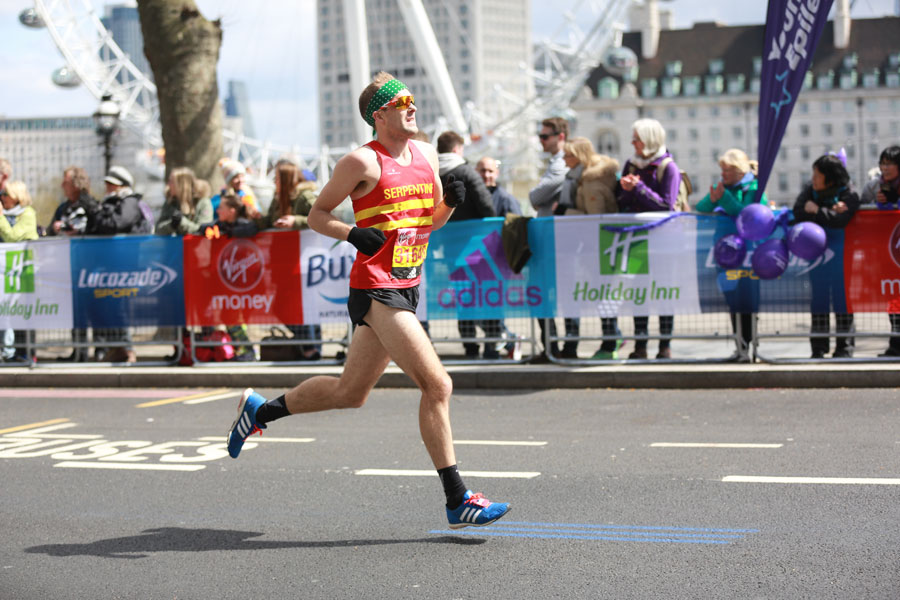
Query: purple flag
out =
(793, 28)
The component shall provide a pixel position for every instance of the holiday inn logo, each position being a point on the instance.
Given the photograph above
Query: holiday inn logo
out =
(624, 252)
(18, 274)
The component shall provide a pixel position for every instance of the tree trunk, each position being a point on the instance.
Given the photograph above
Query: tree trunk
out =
(183, 50)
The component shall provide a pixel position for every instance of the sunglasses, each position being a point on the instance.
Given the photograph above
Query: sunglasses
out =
(400, 103)
(547, 136)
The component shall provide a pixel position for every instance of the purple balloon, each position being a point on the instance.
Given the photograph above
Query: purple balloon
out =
(807, 240)
(755, 222)
(770, 259)
(730, 251)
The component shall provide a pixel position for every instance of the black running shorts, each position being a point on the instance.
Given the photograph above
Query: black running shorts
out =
(361, 300)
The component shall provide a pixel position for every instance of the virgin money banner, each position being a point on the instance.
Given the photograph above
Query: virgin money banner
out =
(793, 28)
(872, 262)
(603, 272)
(37, 285)
(231, 281)
(469, 278)
(127, 281)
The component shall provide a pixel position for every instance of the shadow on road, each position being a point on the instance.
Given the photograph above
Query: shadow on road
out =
(179, 539)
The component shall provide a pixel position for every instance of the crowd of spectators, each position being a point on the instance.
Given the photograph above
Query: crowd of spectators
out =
(577, 180)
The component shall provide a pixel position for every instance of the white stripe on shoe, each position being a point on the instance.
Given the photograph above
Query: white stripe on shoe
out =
(475, 516)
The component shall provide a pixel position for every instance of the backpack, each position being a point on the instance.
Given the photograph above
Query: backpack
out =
(146, 224)
(684, 188)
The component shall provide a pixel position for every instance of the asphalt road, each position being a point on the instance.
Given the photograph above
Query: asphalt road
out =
(129, 494)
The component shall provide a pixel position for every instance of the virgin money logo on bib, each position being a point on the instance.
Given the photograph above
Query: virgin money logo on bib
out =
(241, 265)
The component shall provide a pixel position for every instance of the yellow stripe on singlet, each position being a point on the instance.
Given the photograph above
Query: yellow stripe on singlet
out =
(411, 222)
(384, 209)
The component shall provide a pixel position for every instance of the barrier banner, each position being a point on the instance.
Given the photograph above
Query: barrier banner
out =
(613, 273)
(793, 28)
(127, 281)
(468, 276)
(872, 261)
(325, 267)
(234, 281)
(37, 285)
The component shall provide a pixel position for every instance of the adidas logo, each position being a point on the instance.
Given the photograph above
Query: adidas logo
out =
(485, 280)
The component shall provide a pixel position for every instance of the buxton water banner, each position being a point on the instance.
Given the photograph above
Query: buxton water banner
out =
(325, 273)
(468, 276)
(126, 281)
(37, 285)
(233, 281)
(793, 28)
(609, 265)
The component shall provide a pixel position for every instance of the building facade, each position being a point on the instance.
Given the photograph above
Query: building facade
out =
(124, 24)
(702, 84)
(483, 42)
(40, 148)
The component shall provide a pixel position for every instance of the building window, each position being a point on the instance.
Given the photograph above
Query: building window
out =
(608, 88)
(804, 152)
(672, 135)
(804, 130)
(693, 134)
(803, 107)
(849, 128)
(872, 127)
(782, 182)
(608, 143)
(827, 130)
(648, 88)
(737, 132)
(715, 134)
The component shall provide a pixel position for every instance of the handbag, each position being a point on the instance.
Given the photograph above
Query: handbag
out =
(279, 352)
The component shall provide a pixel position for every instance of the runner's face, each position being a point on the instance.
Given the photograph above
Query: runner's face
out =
(404, 119)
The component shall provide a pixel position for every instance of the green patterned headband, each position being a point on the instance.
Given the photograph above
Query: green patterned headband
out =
(382, 97)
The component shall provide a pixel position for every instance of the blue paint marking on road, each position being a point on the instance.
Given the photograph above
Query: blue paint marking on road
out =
(499, 533)
(641, 527)
(612, 533)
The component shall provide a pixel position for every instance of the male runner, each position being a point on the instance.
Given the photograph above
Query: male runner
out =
(393, 183)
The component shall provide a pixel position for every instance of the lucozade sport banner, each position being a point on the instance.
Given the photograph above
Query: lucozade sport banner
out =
(607, 273)
(232, 281)
(37, 285)
(127, 281)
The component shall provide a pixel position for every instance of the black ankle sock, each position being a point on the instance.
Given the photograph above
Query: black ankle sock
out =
(454, 488)
(271, 410)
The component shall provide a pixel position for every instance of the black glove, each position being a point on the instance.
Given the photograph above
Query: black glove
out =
(176, 218)
(367, 240)
(455, 191)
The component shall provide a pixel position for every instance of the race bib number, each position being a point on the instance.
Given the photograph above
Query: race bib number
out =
(409, 253)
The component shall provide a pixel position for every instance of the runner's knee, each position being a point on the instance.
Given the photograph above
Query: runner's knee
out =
(351, 400)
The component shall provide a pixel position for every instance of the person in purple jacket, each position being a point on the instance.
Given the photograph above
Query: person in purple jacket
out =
(649, 182)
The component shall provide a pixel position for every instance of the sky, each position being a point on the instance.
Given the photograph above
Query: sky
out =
(272, 49)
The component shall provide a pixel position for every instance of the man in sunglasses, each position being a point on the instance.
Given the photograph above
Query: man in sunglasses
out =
(545, 197)
(398, 200)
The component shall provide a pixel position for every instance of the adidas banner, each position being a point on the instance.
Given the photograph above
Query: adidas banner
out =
(468, 276)
(37, 286)
(613, 265)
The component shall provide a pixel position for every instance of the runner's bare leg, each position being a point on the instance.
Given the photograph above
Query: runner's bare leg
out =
(393, 334)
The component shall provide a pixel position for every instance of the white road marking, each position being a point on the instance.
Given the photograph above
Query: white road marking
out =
(497, 443)
(260, 438)
(711, 445)
(819, 480)
(432, 473)
(129, 466)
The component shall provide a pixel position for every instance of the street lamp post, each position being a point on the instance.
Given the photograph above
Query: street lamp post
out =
(106, 119)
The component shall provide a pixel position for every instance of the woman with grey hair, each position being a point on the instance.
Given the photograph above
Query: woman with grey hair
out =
(650, 182)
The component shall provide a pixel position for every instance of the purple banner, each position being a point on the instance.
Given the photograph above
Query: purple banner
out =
(793, 28)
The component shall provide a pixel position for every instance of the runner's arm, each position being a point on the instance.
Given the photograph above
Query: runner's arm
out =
(350, 173)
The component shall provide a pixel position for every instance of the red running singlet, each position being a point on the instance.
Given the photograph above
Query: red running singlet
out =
(402, 206)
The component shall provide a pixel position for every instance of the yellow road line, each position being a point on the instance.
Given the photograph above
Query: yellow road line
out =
(181, 398)
(33, 425)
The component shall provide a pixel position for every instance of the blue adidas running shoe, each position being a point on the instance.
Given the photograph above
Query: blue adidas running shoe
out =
(476, 511)
(245, 424)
